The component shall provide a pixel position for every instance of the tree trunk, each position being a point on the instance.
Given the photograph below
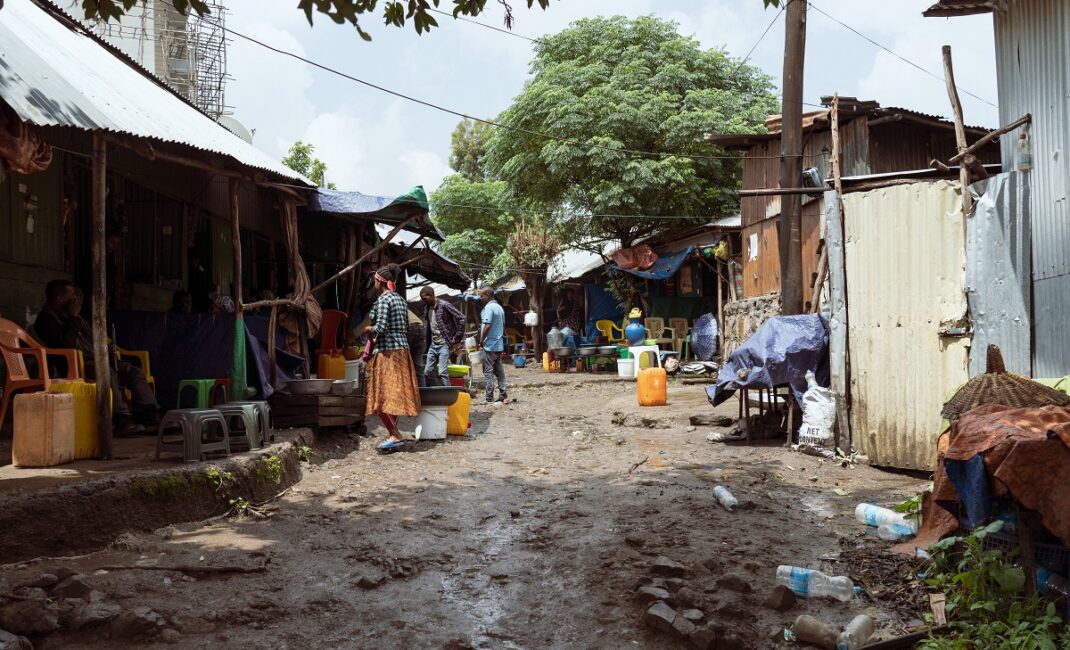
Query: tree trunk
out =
(536, 286)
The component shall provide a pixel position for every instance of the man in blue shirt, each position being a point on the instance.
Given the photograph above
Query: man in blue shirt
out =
(493, 344)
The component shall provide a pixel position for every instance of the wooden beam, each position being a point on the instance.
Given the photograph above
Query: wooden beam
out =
(960, 128)
(783, 191)
(101, 355)
(939, 166)
(837, 183)
(380, 246)
(992, 135)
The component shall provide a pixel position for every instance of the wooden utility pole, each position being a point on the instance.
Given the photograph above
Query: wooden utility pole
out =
(101, 353)
(237, 362)
(960, 130)
(790, 231)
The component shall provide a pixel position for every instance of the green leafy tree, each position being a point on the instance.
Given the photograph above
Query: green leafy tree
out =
(395, 12)
(301, 160)
(607, 84)
(468, 146)
(477, 222)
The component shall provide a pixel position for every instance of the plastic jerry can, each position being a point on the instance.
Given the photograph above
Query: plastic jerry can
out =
(652, 390)
(457, 423)
(43, 429)
(86, 441)
(331, 365)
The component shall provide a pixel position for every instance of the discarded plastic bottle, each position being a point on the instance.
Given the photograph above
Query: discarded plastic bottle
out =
(815, 632)
(894, 532)
(1052, 585)
(1024, 153)
(725, 497)
(856, 633)
(872, 515)
(810, 582)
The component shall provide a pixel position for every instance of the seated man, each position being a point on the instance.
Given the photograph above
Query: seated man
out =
(60, 325)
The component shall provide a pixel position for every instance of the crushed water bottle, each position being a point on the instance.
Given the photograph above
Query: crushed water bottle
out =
(725, 497)
(872, 515)
(856, 633)
(1052, 585)
(894, 532)
(811, 582)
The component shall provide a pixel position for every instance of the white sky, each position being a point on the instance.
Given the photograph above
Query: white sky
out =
(378, 144)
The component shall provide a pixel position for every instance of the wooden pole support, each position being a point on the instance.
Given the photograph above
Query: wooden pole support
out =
(100, 296)
(960, 129)
(790, 234)
(993, 135)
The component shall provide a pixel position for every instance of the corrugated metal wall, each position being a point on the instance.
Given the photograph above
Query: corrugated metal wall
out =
(998, 261)
(905, 266)
(1033, 64)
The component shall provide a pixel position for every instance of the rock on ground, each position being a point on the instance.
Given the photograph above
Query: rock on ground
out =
(9, 641)
(29, 618)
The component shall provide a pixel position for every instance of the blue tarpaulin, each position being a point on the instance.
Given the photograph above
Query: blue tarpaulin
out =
(779, 354)
(390, 210)
(666, 266)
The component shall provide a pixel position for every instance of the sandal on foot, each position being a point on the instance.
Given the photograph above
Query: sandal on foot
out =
(390, 446)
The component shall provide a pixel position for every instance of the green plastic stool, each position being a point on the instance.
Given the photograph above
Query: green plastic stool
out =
(205, 390)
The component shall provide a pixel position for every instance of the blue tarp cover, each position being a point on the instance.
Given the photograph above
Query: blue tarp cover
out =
(666, 266)
(381, 209)
(778, 354)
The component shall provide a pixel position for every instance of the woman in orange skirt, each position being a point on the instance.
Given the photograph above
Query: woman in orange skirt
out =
(392, 387)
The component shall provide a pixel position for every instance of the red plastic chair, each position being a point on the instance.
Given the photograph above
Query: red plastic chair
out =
(16, 344)
(333, 326)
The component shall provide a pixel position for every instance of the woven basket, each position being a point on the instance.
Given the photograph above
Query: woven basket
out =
(997, 386)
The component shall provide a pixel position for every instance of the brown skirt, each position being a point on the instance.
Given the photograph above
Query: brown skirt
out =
(392, 385)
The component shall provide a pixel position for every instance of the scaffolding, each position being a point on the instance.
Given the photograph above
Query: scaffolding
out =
(188, 53)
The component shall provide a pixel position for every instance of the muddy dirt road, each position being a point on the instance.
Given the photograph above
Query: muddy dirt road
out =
(532, 532)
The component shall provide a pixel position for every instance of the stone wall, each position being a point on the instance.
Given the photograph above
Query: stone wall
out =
(743, 317)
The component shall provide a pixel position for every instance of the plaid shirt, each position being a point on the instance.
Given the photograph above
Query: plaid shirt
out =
(390, 323)
(450, 322)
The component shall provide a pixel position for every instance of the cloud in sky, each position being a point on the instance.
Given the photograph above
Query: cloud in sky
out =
(379, 144)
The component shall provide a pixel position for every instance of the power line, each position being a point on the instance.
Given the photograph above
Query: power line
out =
(428, 104)
(762, 37)
(896, 54)
(476, 22)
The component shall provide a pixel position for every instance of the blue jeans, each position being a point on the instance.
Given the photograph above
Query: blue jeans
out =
(438, 358)
(493, 369)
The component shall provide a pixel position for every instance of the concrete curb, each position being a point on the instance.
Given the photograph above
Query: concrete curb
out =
(88, 515)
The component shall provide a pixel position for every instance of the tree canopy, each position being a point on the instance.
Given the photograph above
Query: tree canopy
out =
(395, 13)
(614, 83)
(468, 146)
(475, 217)
(301, 160)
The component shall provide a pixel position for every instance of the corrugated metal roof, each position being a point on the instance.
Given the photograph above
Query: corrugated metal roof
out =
(951, 8)
(905, 267)
(998, 253)
(55, 73)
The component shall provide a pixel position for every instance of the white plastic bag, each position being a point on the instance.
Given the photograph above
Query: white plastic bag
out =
(531, 319)
(819, 414)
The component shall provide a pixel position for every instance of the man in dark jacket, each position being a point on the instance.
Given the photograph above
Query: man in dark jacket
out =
(60, 325)
(443, 331)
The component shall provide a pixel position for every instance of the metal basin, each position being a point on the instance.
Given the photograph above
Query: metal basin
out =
(607, 350)
(587, 351)
(439, 395)
(309, 386)
(344, 387)
(562, 353)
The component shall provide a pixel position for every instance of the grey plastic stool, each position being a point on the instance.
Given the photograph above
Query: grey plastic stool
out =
(203, 431)
(243, 422)
(263, 413)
